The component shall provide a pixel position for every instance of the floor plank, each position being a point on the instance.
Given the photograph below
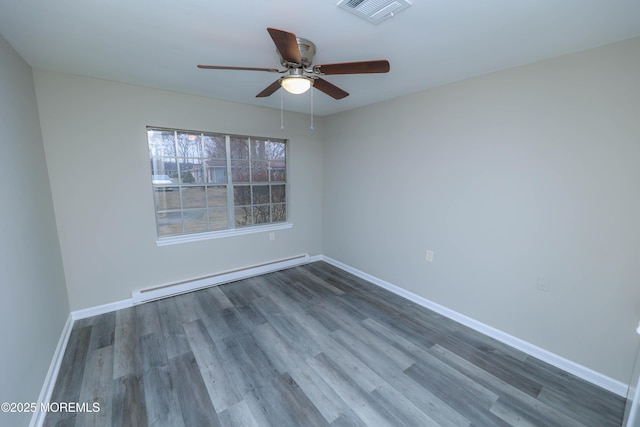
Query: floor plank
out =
(222, 391)
(69, 381)
(97, 388)
(309, 346)
(284, 404)
(197, 408)
(129, 409)
(126, 352)
(161, 400)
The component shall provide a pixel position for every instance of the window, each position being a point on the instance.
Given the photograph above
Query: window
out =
(206, 183)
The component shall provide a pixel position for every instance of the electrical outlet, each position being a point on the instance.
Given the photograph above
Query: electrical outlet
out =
(272, 235)
(429, 256)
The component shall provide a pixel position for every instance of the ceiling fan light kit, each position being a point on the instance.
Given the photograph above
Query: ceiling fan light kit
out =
(296, 84)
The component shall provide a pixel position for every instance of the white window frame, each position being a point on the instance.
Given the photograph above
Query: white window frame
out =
(232, 230)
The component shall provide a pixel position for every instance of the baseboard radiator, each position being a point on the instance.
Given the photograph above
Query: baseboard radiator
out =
(167, 290)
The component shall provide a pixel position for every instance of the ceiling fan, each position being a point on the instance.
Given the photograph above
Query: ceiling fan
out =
(296, 55)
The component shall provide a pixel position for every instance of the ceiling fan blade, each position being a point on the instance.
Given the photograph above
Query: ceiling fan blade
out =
(269, 89)
(363, 67)
(223, 67)
(329, 88)
(286, 44)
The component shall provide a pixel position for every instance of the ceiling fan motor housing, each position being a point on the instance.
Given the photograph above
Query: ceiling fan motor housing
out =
(307, 52)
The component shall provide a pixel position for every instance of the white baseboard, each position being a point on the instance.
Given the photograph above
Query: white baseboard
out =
(168, 290)
(101, 309)
(190, 285)
(560, 362)
(37, 419)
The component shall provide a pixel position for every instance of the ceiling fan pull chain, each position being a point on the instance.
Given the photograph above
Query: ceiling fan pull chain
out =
(281, 113)
(311, 127)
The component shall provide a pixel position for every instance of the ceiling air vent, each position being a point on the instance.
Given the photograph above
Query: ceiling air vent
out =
(374, 11)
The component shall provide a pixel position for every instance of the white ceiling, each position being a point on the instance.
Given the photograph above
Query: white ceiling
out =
(157, 43)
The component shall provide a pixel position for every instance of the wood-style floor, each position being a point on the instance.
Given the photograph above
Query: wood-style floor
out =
(309, 346)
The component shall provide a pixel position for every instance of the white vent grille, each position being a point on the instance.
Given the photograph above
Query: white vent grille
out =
(374, 11)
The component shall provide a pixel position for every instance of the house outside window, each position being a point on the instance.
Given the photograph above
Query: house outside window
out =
(213, 184)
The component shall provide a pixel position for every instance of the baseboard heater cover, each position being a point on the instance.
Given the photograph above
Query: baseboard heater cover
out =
(164, 291)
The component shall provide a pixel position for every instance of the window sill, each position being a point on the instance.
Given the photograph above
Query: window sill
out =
(196, 237)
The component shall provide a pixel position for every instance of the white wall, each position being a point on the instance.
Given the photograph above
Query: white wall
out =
(96, 148)
(526, 173)
(33, 305)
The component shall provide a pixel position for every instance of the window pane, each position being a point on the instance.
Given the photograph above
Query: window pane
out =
(189, 145)
(172, 171)
(261, 214)
(216, 171)
(193, 197)
(167, 198)
(260, 194)
(169, 223)
(217, 196)
(259, 150)
(279, 213)
(195, 220)
(218, 219)
(278, 193)
(191, 171)
(239, 148)
(243, 216)
(259, 172)
(239, 171)
(161, 143)
(158, 167)
(267, 150)
(215, 147)
(278, 171)
(167, 168)
(276, 150)
(241, 195)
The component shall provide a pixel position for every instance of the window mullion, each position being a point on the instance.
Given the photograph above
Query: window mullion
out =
(203, 172)
(177, 158)
(249, 160)
(268, 162)
(230, 206)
